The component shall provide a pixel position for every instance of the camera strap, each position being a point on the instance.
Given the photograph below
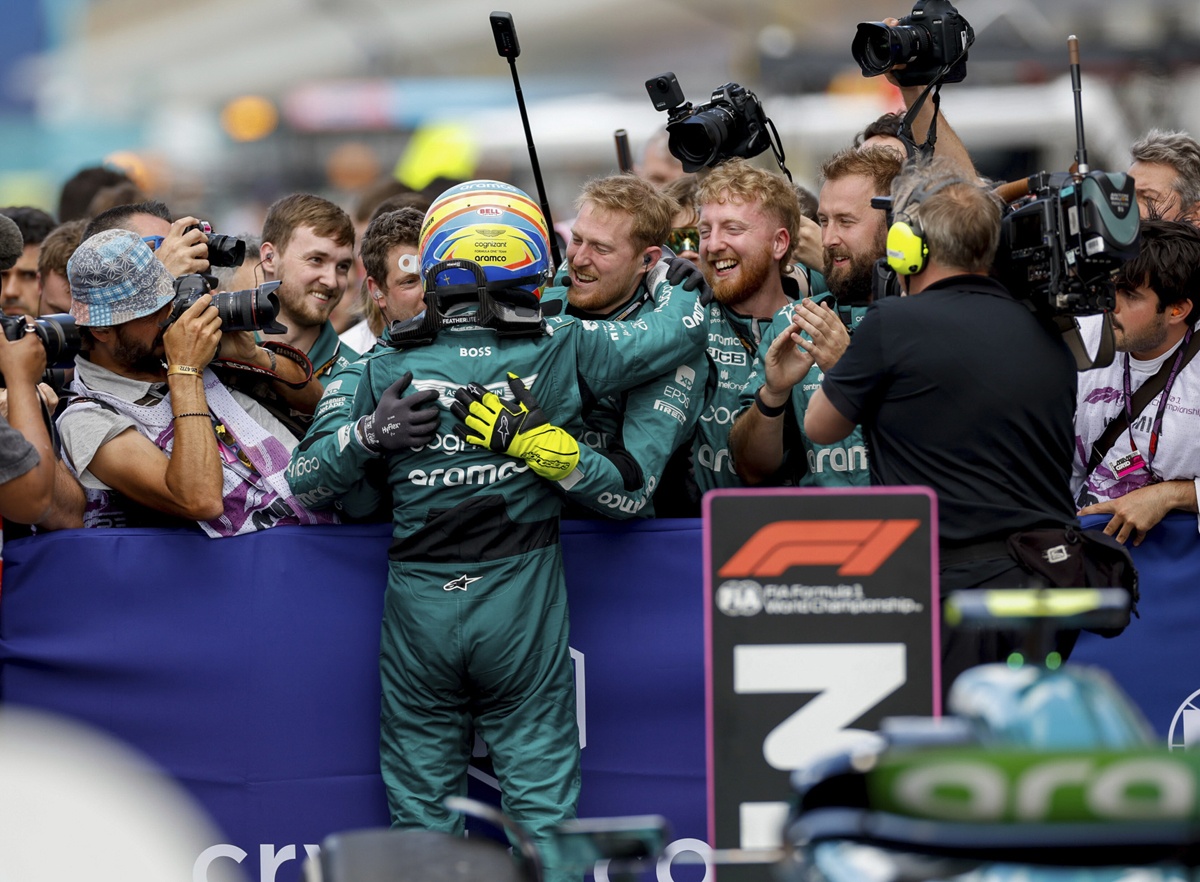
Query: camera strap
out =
(291, 353)
(935, 86)
(1069, 330)
(1140, 399)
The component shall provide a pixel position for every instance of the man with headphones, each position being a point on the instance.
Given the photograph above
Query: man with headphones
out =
(959, 387)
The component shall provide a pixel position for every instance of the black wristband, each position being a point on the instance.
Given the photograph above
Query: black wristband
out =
(766, 409)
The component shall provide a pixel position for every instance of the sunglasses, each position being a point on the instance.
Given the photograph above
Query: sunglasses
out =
(230, 443)
(683, 239)
(153, 241)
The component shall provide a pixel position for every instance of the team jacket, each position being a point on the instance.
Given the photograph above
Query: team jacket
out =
(459, 497)
(641, 427)
(734, 344)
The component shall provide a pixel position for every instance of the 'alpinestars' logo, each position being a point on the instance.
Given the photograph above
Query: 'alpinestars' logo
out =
(461, 583)
(504, 431)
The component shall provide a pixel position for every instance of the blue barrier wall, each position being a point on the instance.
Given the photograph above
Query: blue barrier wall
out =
(1155, 660)
(246, 667)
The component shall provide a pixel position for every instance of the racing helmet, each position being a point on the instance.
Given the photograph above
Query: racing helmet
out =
(499, 229)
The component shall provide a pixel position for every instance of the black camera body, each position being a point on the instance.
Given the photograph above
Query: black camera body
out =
(222, 250)
(60, 339)
(929, 39)
(1061, 249)
(254, 309)
(59, 336)
(732, 123)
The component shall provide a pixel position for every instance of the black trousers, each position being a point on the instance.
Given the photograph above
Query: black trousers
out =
(969, 645)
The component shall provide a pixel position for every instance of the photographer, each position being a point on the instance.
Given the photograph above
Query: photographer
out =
(35, 487)
(179, 245)
(960, 388)
(152, 430)
(183, 248)
(1138, 462)
(1166, 169)
(20, 281)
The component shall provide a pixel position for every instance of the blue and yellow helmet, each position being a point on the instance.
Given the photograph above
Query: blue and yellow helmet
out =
(497, 227)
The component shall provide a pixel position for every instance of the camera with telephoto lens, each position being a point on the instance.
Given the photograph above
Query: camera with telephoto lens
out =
(1061, 249)
(60, 339)
(732, 123)
(222, 250)
(928, 40)
(254, 309)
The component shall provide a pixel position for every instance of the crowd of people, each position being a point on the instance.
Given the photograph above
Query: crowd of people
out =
(703, 331)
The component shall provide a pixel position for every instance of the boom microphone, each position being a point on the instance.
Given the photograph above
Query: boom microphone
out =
(507, 46)
(12, 244)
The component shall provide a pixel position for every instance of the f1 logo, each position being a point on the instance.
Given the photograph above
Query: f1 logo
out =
(857, 548)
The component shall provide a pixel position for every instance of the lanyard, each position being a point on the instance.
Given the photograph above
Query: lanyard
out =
(1156, 426)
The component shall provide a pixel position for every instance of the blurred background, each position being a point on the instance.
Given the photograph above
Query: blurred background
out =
(220, 107)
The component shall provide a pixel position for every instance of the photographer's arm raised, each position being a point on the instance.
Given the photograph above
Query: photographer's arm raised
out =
(26, 499)
(948, 143)
(184, 251)
(188, 483)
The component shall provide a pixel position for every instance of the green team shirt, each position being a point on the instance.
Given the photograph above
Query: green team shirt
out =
(841, 464)
(328, 353)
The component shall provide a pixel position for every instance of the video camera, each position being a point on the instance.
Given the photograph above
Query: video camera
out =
(1060, 250)
(732, 123)
(254, 309)
(222, 250)
(60, 339)
(933, 37)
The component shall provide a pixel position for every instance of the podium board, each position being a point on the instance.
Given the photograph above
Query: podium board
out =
(821, 619)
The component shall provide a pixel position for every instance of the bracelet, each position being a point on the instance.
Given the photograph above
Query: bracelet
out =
(274, 360)
(766, 409)
(180, 416)
(186, 369)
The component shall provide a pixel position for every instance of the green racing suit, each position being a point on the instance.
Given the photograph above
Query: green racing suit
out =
(475, 624)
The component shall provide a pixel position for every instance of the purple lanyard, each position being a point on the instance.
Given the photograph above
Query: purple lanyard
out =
(1156, 427)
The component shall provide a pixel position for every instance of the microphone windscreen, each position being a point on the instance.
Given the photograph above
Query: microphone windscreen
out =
(12, 245)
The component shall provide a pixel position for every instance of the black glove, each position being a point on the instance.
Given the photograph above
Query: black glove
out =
(400, 422)
(683, 273)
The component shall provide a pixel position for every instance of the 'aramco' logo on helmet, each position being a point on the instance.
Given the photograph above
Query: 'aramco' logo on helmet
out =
(740, 598)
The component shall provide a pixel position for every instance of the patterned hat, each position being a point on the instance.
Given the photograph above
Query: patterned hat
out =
(115, 278)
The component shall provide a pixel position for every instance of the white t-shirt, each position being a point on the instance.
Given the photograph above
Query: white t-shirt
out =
(359, 338)
(1102, 399)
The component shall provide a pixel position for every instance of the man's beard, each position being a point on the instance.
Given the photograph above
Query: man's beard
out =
(303, 311)
(753, 272)
(1148, 338)
(136, 356)
(853, 283)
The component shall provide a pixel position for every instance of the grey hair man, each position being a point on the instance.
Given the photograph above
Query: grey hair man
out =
(1166, 171)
